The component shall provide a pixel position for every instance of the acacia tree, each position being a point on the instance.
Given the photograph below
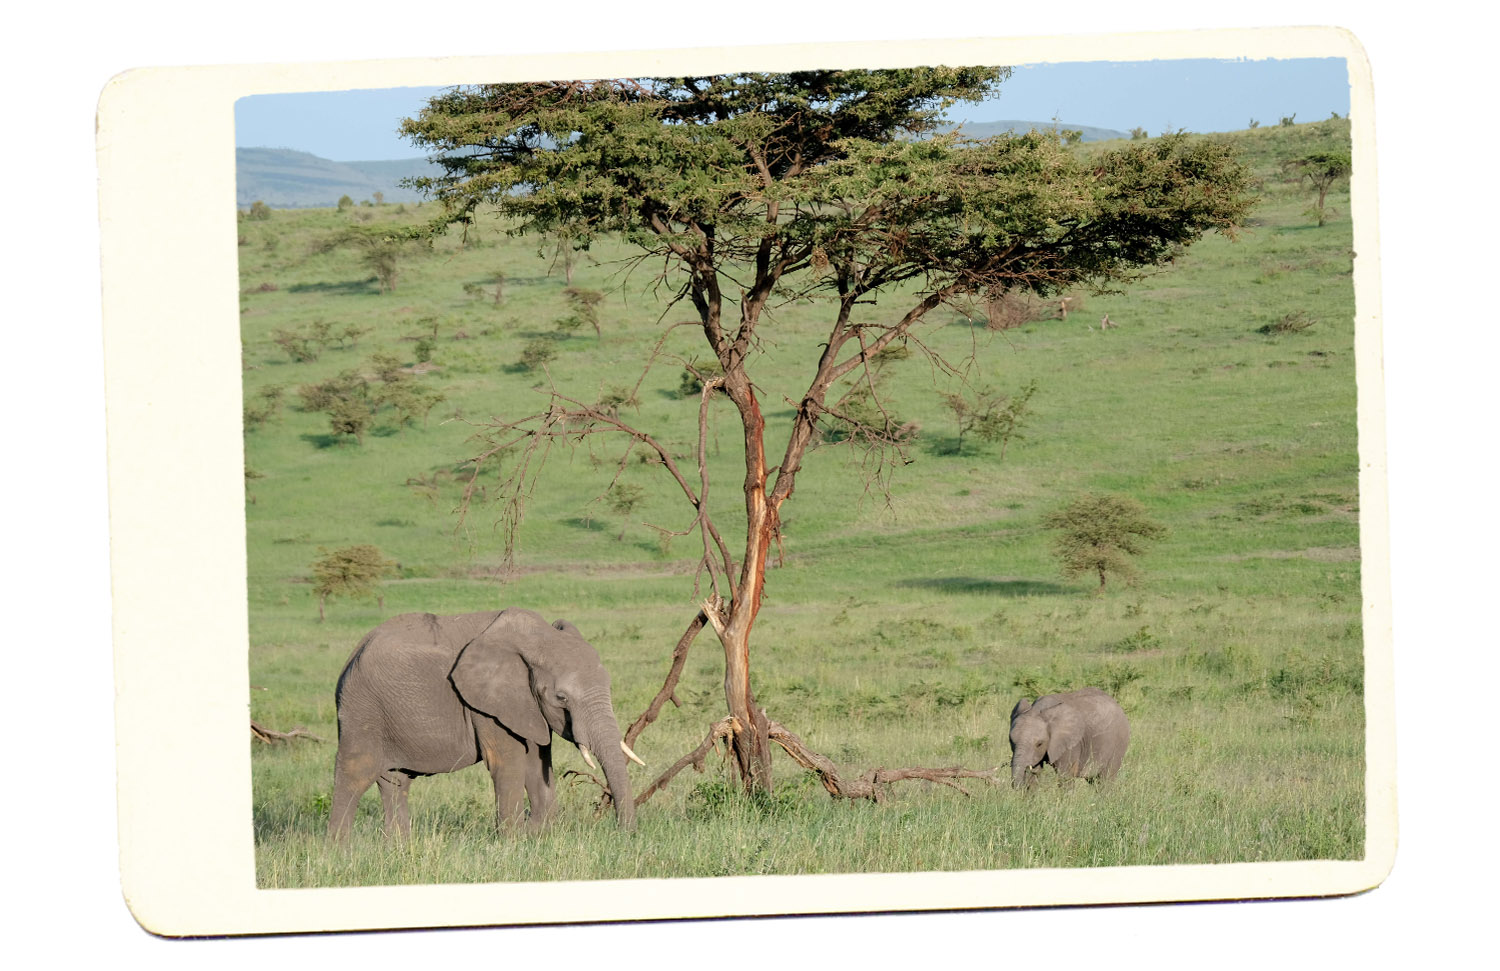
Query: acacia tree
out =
(822, 185)
(1322, 171)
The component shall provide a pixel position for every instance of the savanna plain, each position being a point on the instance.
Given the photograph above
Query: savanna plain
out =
(903, 617)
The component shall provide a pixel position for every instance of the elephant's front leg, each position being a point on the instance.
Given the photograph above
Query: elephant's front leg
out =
(541, 786)
(505, 756)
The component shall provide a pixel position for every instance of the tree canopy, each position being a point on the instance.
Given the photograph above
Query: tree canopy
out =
(832, 185)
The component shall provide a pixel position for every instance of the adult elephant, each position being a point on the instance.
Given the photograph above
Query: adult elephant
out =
(1081, 734)
(424, 694)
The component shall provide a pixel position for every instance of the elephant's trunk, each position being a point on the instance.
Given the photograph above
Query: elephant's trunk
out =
(1021, 775)
(603, 737)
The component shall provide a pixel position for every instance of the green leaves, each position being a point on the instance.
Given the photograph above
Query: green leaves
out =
(716, 170)
(1100, 534)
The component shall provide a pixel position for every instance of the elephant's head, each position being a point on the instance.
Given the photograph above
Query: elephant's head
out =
(1051, 734)
(539, 679)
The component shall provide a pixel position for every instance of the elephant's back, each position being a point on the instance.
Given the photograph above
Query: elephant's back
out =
(395, 697)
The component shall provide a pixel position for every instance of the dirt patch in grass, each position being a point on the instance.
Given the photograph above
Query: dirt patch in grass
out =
(1322, 554)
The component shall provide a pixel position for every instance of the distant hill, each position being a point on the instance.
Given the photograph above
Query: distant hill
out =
(987, 129)
(286, 179)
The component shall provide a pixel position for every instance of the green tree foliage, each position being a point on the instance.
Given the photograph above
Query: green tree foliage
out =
(989, 415)
(744, 190)
(584, 309)
(345, 203)
(1322, 171)
(623, 499)
(353, 572)
(263, 407)
(353, 404)
(380, 250)
(259, 211)
(537, 354)
(1100, 534)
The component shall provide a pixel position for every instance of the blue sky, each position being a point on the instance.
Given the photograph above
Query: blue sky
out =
(1199, 95)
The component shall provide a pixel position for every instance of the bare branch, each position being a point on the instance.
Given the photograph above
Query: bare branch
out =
(726, 727)
(669, 687)
(263, 734)
(868, 785)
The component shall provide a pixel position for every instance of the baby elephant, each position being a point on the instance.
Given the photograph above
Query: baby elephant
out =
(1082, 734)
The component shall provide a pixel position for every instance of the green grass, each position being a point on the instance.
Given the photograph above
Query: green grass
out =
(898, 630)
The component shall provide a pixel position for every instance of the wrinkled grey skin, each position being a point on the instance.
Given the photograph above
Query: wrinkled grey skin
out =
(423, 694)
(1082, 734)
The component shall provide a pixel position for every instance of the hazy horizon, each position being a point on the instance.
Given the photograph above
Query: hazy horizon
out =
(1200, 95)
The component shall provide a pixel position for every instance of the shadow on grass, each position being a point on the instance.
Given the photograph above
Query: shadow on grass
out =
(990, 587)
(370, 286)
(326, 440)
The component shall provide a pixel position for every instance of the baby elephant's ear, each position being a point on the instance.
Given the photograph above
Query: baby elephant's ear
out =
(1021, 708)
(492, 677)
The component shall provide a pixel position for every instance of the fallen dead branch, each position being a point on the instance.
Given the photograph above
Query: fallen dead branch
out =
(868, 785)
(263, 734)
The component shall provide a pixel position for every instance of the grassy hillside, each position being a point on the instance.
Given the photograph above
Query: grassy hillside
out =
(282, 178)
(987, 129)
(898, 630)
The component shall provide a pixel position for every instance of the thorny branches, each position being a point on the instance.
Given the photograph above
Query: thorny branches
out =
(527, 442)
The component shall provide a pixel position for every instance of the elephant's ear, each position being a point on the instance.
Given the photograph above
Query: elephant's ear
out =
(1021, 708)
(1065, 739)
(566, 626)
(491, 677)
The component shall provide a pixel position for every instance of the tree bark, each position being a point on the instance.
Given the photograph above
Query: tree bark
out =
(750, 742)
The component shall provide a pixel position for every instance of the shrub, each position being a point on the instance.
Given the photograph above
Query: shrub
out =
(1292, 323)
(584, 305)
(345, 203)
(351, 571)
(693, 376)
(259, 211)
(537, 353)
(1100, 534)
(318, 397)
(614, 398)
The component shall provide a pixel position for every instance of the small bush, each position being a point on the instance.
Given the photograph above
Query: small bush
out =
(352, 571)
(1100, 534)
(1293, 323)
(259, 211)
(345, 203)
(616, 397)
(536, 354)
(693, 376)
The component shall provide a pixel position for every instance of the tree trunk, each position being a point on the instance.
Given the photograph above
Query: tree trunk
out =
(751, 742)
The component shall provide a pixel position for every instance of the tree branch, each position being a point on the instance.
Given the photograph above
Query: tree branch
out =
(726, 727)
(669, 687)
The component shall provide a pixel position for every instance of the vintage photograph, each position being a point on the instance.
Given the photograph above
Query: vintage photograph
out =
(928, 468)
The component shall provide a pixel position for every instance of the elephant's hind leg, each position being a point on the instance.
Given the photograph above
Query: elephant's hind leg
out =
(352, 775)
(394, 785)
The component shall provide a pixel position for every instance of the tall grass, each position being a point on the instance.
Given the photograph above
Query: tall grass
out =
(899, 628)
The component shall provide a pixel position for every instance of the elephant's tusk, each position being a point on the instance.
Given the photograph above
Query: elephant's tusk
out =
(588, 757)
(631, 755)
